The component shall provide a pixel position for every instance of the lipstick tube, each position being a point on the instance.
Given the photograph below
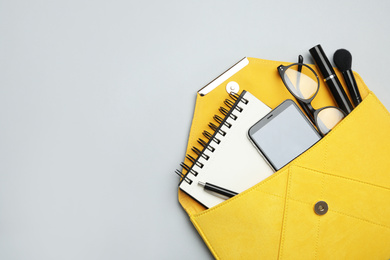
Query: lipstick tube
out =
(331, 79)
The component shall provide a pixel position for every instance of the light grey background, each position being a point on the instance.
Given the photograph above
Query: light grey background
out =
(96, 101)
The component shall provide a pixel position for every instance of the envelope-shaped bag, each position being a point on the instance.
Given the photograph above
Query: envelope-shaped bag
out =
(348, 171)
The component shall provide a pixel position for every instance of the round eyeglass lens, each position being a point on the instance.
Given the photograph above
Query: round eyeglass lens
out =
(328, 118)
(301, 81)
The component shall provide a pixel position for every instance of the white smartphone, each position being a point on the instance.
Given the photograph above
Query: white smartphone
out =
(283, 134)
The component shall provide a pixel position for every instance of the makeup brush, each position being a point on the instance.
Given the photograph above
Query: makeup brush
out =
(343, 60)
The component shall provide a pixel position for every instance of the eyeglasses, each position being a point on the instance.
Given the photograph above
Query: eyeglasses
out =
(303, 83)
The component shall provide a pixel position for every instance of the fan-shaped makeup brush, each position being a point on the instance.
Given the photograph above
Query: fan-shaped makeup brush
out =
(343, 60)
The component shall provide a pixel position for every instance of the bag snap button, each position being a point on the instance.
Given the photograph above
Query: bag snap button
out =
(232, 86)
(320, 208)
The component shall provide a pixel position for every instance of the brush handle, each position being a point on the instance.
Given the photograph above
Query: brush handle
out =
(352, 87)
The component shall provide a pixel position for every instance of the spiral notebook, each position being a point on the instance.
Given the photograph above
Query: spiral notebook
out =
(228, 159)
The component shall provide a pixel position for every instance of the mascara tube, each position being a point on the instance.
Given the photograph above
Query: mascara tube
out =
(331, 79)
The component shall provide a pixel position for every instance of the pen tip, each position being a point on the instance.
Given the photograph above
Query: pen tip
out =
(202, 183)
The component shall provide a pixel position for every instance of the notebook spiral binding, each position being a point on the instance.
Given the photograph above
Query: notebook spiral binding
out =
(233, 104)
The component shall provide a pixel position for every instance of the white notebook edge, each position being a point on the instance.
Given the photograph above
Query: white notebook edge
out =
(256, 112)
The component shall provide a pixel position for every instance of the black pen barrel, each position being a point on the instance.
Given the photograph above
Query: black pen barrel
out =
(220, 190)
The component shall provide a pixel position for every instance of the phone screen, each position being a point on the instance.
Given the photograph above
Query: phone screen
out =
(283, 134)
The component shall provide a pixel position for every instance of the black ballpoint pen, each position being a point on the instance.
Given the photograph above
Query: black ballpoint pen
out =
(219, 190)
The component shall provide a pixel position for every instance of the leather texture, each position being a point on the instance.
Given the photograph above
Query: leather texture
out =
(349, 169)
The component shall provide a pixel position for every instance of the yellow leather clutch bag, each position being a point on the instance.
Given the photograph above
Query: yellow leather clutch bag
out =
(348, 171)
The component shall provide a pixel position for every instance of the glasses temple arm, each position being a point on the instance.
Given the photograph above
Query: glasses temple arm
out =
(308, 109)
(300, 62)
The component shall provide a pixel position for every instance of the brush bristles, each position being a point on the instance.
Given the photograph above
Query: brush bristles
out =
(343, 59)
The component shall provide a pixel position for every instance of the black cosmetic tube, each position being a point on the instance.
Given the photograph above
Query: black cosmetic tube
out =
(331, 79)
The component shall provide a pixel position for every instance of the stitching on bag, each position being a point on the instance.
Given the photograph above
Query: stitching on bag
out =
(285, 212)
(335, 211)
(361, 219)
(317, 238)
(302, 202)
(341, 213)
(272, 194)
(341, 177)
(321, 196)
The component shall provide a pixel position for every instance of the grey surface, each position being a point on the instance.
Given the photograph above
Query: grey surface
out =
(96, 101)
